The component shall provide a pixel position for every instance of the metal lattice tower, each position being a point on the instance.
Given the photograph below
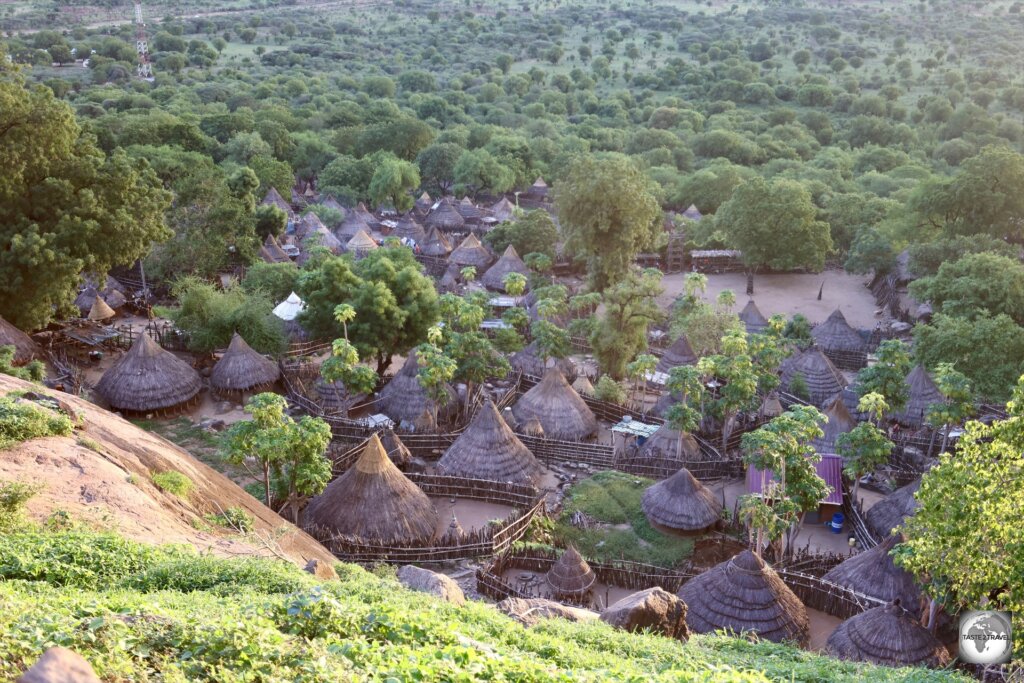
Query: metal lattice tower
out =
(145, 67)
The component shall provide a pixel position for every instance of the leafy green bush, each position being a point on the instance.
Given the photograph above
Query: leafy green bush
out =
(798, 387)
(21, 421)
(192, 573)
(174, 483)
(13, 496)
(34, 371)
(607, 389)
(234, 518)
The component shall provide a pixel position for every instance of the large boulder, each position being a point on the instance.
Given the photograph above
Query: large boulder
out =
(321, 570)
(60, 665)
(426, 581)
(532, 611)
(654, 609)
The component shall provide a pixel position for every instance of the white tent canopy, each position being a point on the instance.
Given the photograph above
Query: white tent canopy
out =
(288, 309)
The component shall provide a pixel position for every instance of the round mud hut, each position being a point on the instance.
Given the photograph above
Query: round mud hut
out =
(873, 572)
(148, 378)
(242, 369)
(821, 378)
(373, 502)
(743, 594)
(835, 335)
(436, 244)
(889, 513)
(529, 361)
(752, 318)
(503, 210)
(470, 253)
(559, 409)
(352, 224)
(889, 636)
(25, 350)
(409, 228)
(570, 577)
(921, 394)
(489, 449)
(445, 218)
(405, 401)
(509, 262)
(678, 354)
(681, 503)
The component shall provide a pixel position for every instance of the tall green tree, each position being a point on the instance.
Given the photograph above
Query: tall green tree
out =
(865, 447)
(392, 181)
(734, 371)
(437, 166)
(436, 371)
(65, 206)
(888, 374)
(974, 284)
(535, 232)
(685, 414)
(621, 330)
(958, 405)
(211, 316)
(608, 212)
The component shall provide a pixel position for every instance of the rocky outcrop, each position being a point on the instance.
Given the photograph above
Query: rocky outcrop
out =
(530, 612)
(426, 581)
(321, 570)
(60, 665)
(654, 609)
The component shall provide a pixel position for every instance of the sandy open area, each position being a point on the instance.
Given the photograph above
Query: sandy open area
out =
(472, 514)
(790, 293)
(534, 583)
(822, 626)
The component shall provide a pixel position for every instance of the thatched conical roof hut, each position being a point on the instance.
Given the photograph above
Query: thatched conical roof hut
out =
(771, 406)
(409, 228)
(570, 576)
(470, 253)
(445, 217)
(582, 385)
(752, 318)
(539, 189)
(822, 378)
(360, 244)
(367, 216)
(307, 224)
(352, 224)
(406, 402)
(468, 210)
(489, 449)
(334, 398)
(271, 251)
(148, 378)
(529, 361)
(681, 503)
(563, 414)
(678, 354)
(274, 198)
(692, 213)
(666, 443)
(373, 502)
(889, 513)
(743, 594)
(436, 244)
(503, 210)
(509, 262)
(243, 369)
(888, 636)
(873, 572)
(25, 350)
(100, 310)
(532, 427)
(835, 334)
(839, 422)
(424, 202)
(922, 392)
(454, 534)
(396, 450)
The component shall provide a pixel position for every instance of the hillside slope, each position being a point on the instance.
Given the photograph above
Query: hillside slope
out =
(101, 475)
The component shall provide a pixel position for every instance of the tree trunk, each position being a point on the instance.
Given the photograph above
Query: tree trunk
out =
(931, 442)
(750, 283)
(726, 432)
(933, 615)
(383, 361)
(945, 439)
(266, 482)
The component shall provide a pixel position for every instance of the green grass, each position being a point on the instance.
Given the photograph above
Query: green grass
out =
(174, 483)
(157, 613)
(613, 498)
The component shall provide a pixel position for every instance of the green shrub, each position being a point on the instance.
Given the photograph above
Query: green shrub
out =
(798, 387)
(607, 389)
(33, 372)
(13, 496)
(21, 421)
(224, 577)
(234, 518)
(174, 483)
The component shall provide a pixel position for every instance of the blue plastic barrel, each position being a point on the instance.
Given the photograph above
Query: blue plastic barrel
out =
(837, 522)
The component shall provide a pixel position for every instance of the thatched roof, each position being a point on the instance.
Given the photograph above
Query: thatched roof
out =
(504, 210)
(274, 197)
(110, 297)
(693, 213)
(889, 636)
(334, 398)
(470, 253)
(148, 378)
(539, 188)
(874, 573)
(489, 449)
(744, 594)
(582, 385)
(366, 215)
(839, 422)
(352, 224)
(532, 427)
(271, 251)
(678, 354)
(241, 368)
(509, 262)
(835, 334)
(571, 576)
(332, 203)
(396, 450)
(752, 318)
(445, 217)
(468, 210)
(410, 228)
(373, 501)
(324, 238)
(25, 350)
(529, 361)
(560, 410)
(665, 443)
(436, 244)
(307, 224)
(424, 202)
(889, 513)
(404, 400)
(361, 243)
(921, 393)
(454, 533)
(771, 406)
(100, 310)
(823, 379)
(681, 502)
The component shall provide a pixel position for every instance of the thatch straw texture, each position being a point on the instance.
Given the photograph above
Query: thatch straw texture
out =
(889, 636)
(454, 533)
(271, 251)
(25, 350)
(744, 594)
(835, 334)
(308, 224)
(889, 513)
(503, 210)
(582, 385)
(148, 378)
(436, 244)
(374, 502)
(405, 401)
(665, 443)
(532, 427)
(771, 406)
(873, 572)
(560, 410)
(445, 217)
(539, 188)
(470, 253)
(274, 197)
(334, 398)
(678, 354)
(366, 215)
(529, 361)
(823, 379)
(424, 202)
(324, 238)
(570, 576)
(693, 213)
(509, 262)
(352, 224)
(100, 310)
(839, 422)
(361, 243)
(468, 210)
(752, 318)
(396, 450)
(489, 449)
(409, 228)
(921, 393)
(681, 502)
(241, 368)
(111, 297)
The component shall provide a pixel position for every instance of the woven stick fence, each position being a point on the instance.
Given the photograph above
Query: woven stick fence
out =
(825, 596)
